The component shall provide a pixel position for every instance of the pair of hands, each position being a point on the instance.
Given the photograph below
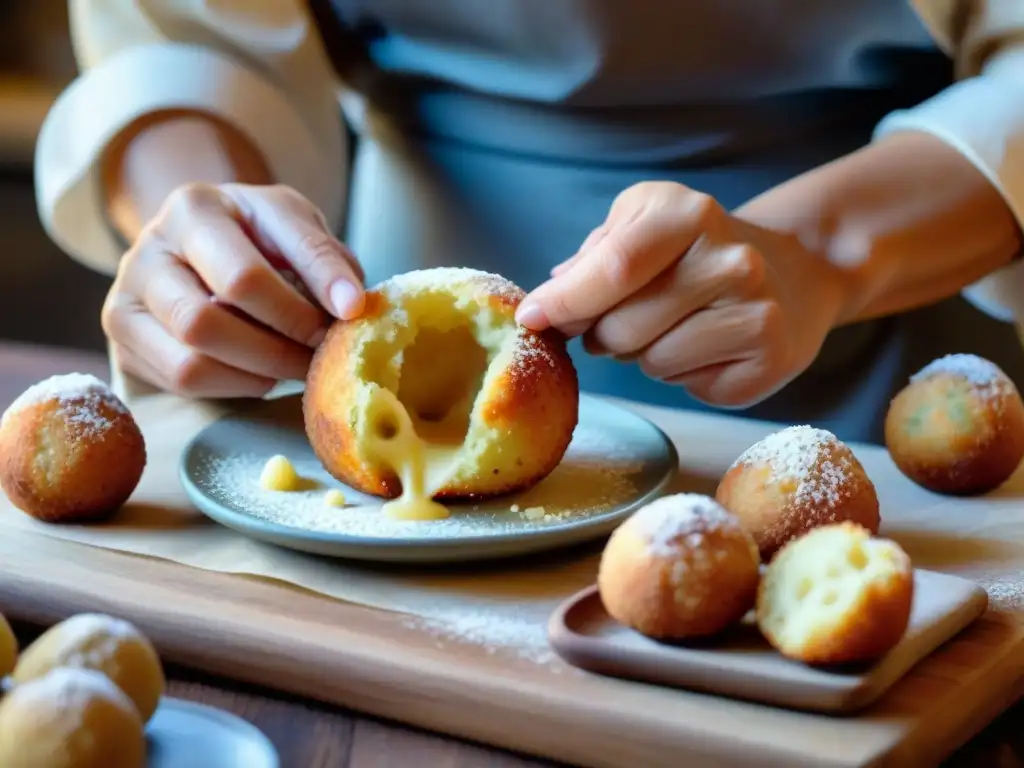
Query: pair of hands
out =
(230, 288)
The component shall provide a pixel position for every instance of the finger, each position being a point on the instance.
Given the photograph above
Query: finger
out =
(709, 272)
(216, 247)
(712, 336)
(634, 252)
(152, 352)
(294, 228)
(134, 365)
(735, 385)
(176, 297)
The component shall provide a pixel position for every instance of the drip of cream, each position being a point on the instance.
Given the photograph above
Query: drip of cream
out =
(423, 466)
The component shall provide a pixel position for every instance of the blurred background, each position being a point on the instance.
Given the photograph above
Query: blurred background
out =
(45, 297)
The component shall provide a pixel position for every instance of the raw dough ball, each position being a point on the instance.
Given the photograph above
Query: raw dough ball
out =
(836, 596)
(794, 480)
(70, 718)
(681, 567)
(957, 427)
(111, 646)
(8, 648)
(440, 350)
(70, 451)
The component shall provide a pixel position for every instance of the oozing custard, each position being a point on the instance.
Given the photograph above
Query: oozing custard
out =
(423, 465)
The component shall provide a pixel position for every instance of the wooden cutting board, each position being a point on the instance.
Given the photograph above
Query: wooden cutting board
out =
(371, 660)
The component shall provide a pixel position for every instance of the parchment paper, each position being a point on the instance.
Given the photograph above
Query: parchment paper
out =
(160, 522)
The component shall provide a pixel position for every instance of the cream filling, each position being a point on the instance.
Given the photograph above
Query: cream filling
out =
(422, 466)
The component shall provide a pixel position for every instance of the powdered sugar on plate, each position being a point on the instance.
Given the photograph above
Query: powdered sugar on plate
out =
(984, 376)
(593, 478)
(78, 395)
(807, 456)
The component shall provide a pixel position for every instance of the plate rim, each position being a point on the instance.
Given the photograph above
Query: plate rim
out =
(537, 535)
(225, 718)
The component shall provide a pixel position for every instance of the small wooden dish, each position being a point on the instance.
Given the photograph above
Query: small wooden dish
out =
(743, 665)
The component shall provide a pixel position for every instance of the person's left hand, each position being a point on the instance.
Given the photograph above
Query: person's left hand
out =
(697, 297)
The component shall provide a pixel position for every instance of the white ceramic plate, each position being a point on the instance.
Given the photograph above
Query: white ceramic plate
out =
(183, 734)
(617, 462)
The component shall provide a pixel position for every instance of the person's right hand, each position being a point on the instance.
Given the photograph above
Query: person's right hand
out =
(200, 307)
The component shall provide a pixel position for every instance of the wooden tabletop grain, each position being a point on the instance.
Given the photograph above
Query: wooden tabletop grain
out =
(308, 735)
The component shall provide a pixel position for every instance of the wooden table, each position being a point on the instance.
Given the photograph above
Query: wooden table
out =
(309, 735)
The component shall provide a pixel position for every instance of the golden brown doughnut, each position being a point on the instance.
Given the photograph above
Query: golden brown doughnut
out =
(681, 567)
(70, 718)
(108, 645)
(70, 450)
(836, 596)
(438, 354)
(794, 480)
(957, 427)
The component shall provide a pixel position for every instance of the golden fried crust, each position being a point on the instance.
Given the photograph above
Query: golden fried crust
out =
(869, 627)
(774, 513)
(60, 470)
(535, 399)
(952, 439)
(872, 627)
(698, 592)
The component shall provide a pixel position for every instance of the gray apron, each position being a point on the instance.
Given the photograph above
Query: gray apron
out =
(496, 133)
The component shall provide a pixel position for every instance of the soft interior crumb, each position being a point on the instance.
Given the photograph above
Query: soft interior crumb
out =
(534, 513)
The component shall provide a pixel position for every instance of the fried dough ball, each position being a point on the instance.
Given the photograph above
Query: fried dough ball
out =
(836, 596)
(70, 718)
(103, 643)
(438, 352)
(958, 427)
(70, 450)
(794, 480)
(681, 567)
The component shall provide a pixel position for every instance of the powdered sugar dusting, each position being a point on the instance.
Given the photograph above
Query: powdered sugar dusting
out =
(804, 455)
(63, 694)
(446, 278)
(984, 376)
(594, 478)
(92, 640)
(667, 521)
(1005, 593)
(495, 629)
(78, 397)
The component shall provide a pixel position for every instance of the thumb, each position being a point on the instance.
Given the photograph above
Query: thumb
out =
(287, 224)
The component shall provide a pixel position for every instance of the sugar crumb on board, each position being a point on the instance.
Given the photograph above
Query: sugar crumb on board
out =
(494, 629)
(595, 477)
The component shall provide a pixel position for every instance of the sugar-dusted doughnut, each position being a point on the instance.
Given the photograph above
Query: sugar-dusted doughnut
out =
(103, 643)
(681, 567)
(794, 480)
(436, 392)
(70, 450)
(836, 596)
(957, 427)
(70, 718)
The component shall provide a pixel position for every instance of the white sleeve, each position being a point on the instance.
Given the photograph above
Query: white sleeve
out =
(154, 76)
(983, 118)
